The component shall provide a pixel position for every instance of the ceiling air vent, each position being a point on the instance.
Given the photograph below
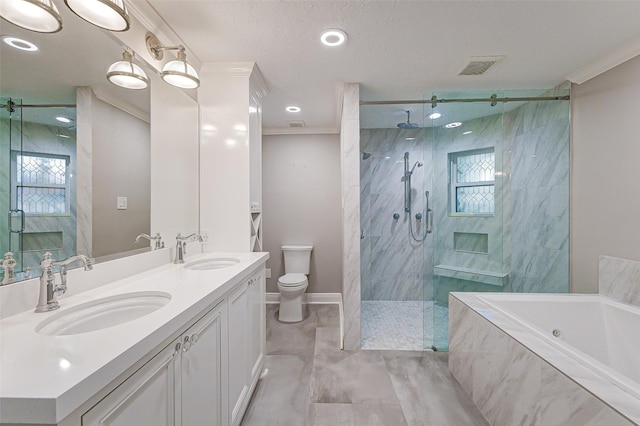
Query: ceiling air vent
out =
(478, 65)
(298, 123)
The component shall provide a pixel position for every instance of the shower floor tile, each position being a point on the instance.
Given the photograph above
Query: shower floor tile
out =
(398, 325)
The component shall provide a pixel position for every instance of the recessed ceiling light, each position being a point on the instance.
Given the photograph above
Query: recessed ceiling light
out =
(435, 115)
(468, 132)
(292, 108)
(453, 125)
(333, 37)
(63, 119)
(18, 43)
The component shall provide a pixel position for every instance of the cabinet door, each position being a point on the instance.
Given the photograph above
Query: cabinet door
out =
(145, 398)
(238, 381)
(257, 324)
(201, 366)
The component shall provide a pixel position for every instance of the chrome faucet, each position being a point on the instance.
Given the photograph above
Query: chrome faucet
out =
(8, 264)
(157, 238)
(47, 301)
(181, 248)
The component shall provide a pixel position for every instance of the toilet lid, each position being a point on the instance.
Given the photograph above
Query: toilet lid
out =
(292, 279)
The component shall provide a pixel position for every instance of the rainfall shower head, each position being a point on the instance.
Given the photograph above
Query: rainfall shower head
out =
(365, 155)
(408, 124)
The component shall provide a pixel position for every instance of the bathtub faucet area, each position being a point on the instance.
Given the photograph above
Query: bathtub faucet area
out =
(47, 301)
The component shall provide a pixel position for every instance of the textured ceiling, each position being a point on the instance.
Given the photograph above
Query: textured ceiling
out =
(398, 49)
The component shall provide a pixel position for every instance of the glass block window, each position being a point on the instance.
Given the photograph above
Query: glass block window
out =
(472, 181)
(41, 183)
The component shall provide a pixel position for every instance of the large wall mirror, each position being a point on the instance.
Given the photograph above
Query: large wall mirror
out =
(83, 184)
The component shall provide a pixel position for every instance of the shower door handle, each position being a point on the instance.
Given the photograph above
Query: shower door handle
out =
(430, 221)
(10, 221)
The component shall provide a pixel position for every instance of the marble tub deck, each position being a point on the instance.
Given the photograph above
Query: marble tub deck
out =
(312, 382)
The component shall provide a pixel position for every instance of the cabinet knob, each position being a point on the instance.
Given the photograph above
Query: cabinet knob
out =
(186, 344)
(194, 338)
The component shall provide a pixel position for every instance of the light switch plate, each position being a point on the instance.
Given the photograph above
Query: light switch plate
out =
(121, 203)
(268, 273)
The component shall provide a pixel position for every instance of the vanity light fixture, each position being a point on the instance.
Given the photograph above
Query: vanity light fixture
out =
(126, 74)
(468, 132)
(293, 108)
(453, 125)
(111, 15)
(333, 37)
(40, 16)
(178, 72)
(18, 43)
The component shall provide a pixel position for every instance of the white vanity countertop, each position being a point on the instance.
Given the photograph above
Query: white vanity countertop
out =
(43, 378)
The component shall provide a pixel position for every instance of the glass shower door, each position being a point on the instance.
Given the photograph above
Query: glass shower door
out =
(468, 143)
(10, 144)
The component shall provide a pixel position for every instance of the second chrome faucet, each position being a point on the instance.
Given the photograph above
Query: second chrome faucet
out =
(181, 248)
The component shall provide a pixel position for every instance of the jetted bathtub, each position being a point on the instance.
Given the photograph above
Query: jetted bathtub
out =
(600, 333)
(570, 359)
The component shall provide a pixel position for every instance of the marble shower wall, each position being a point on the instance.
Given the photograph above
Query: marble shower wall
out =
(39, 138)
(529, 234)
(487, 133)
(349, 147)
(619, 279)
(392, 263)
(537, 136)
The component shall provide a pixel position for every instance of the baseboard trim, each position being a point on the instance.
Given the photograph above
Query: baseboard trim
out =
(311, 298)
(317, 298)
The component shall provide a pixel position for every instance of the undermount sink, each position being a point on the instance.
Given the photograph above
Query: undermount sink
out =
(103, 313)
(212, 263)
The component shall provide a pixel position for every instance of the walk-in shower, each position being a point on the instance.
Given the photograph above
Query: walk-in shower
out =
(476, 206)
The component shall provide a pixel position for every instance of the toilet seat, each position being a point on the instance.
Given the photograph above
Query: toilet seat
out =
(292, 280)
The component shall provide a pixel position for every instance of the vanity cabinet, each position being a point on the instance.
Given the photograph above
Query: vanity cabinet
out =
(147, 397)
(203, 377)
(179, 386)
(246, 307)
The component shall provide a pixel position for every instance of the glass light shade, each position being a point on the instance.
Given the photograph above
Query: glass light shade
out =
(180, 74)
(108, 14)
(127, 74)
(40, 16)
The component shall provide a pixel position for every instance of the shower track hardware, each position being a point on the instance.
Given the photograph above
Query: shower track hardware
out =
(493, 100)
(10, 106)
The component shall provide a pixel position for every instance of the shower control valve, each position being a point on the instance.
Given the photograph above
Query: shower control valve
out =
(418, 216)
(396, 216)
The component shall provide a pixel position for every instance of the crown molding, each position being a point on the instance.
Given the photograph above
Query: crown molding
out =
(605, 63)
(121, 105)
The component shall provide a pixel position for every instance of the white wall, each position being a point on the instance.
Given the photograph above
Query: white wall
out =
(605, 209)
(174, 162)
(301, 205)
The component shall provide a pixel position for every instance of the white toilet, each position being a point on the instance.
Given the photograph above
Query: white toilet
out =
(293, 283)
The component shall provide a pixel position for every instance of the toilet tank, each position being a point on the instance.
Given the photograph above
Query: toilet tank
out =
(297, 259)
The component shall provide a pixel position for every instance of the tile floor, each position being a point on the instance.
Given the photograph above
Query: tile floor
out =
(312, 382)
(402, 325)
